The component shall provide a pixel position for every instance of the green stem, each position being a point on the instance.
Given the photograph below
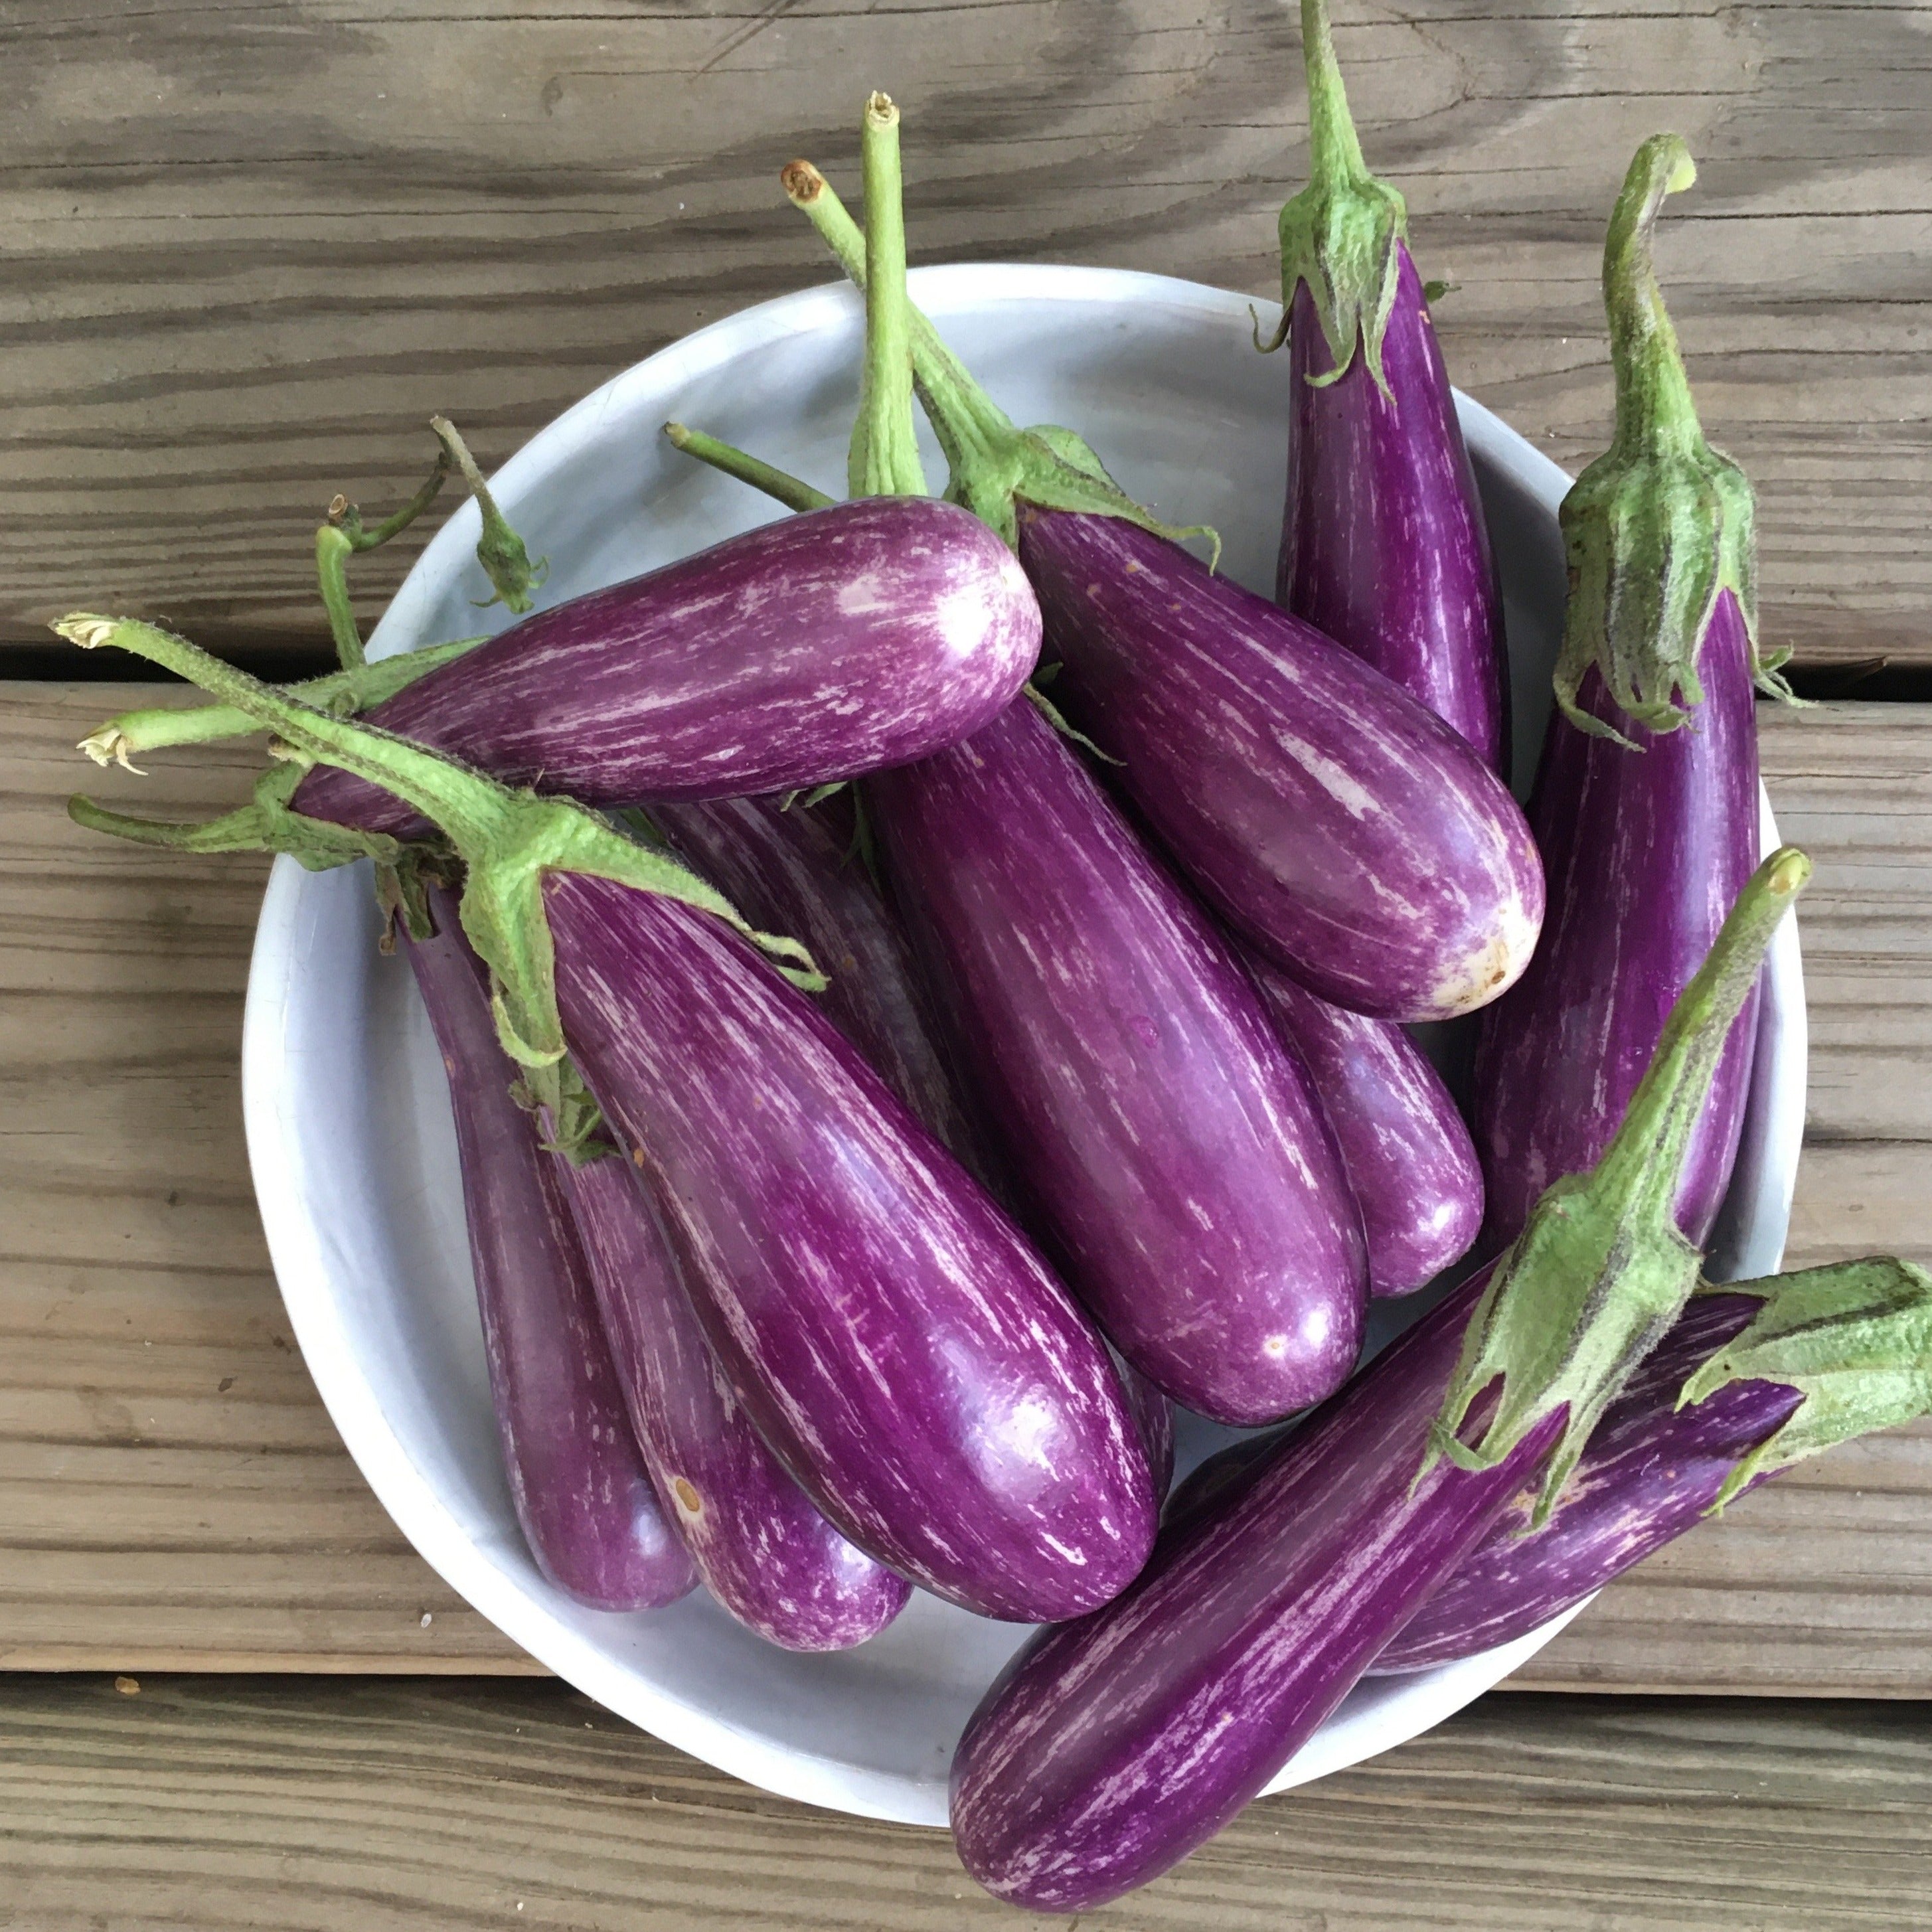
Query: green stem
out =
(341, 536)
(774, 482)
(122, 739)
(507, 840)
(1601, 1270)
(884, 460)
(993, 465)
(1334, 149)
(1661, 525)
(499, 550)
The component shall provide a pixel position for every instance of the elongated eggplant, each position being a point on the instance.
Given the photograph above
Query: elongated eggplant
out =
(1384, 546)
(581, 1490)
(1409, 1159)
(1752, 1379)
(790, 871)
(803, 653)
(1111, 1748)
(905, 1352)
(1340, 828)
(764, 1550)
(1175, 1153)
(1646, 804)
(1333, 820)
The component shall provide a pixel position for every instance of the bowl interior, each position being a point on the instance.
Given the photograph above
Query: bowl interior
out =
(349, 1122)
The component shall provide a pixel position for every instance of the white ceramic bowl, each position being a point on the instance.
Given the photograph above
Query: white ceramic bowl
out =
(348, 1118)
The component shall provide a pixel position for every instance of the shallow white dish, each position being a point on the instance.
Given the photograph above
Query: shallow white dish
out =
(348, 1118)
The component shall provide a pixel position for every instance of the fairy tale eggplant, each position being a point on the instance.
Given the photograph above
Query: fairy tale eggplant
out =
(905, 1352)
(1754, 1378)
(1111, 1748)
(794, 655)
(1174, 1153)
(1336, 824)
(1645, 802)
(582, 1493)
(1409, 1159)
(1384, 545)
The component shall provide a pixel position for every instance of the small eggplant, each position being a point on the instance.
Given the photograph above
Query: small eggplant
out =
(1110, 1748)
(1384, 546)
(1755, 1377)
(582, 1493)
(1409, 1159)
(802, 653)
(1646, 804)
(1173, 1154)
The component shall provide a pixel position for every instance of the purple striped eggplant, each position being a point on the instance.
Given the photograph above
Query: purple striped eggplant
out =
(1175, 1154)
(904, 1351)
(1410, 1162)
(1752, 1380)
(790, 871)
(1154, 1416)
(764, 1551)
(1384, 546)
(1112, 1747)
(799, 653)
(582, 1493)
(1335, 822)
(1646, 804)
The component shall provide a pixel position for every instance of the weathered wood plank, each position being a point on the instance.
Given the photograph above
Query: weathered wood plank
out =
(251, 246)
(384, 1808)
(171, 1493)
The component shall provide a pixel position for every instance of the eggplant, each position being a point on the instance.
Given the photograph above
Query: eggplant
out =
(789, 870)
(1337, 824)
(1384, 544)
(1753, 1378)
(1111, 1748)
(1645, 802)
(582, 1493)
(1153, 1417)
(904, 1351)
(1411, 1163)
(1176, 1156)
(763, 1551)
(803, 653)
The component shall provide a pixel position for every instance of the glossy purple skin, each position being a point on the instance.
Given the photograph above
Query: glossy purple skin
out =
(793, 872)
(905, 1352)
(1383, 546)
(1646, 852)
(581, 1491)
(808, 650)
(1111, 1748)
(1410, 1162)
(1174, 1157)
(1649, 1473)
(763, 1551)
(1338, 825)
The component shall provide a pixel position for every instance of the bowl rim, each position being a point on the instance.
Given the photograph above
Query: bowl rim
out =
(408, 1493)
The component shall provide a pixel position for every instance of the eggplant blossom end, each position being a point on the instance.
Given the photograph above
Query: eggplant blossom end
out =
(1854, 1338)
(1601, 1270)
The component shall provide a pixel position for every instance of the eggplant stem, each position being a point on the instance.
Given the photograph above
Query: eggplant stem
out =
(788, 489)
(884, 460)
(499, 550)
(341, 535)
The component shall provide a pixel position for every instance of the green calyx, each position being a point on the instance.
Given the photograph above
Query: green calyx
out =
(499, 550)
(342, 694)
(1661, 524)
(571, 1120)
(1855, 1338)
(507, 840)
(1340, 234)
(993, 465)
(1601, 1271)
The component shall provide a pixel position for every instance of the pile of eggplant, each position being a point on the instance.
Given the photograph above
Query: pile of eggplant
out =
(923, 984)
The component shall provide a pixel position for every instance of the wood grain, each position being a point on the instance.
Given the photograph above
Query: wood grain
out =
(251, 245)
(173, 1494)
(389, 1807)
